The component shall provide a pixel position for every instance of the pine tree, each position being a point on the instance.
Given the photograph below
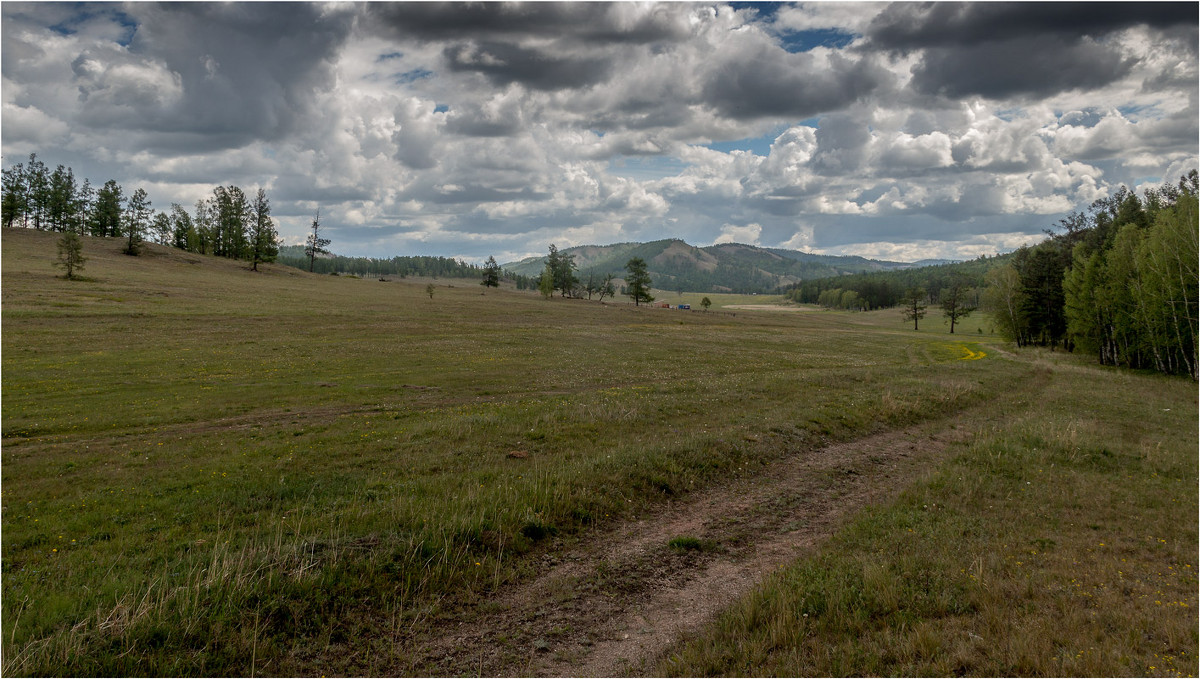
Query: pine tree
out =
(264, 239)
(183, 234)
(954, 303)
(14, 205)
(204, 225)
(315, 245)
(84, 200)
(60, 199)
(38, 191)
(914, 306)
(106, 213)
(231, 223)
(638, 281)
(491, 273)
(70, 253)
(161, 228)
(137, 218)
(564, 275)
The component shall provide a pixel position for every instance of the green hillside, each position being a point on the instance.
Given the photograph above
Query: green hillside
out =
(725, 267)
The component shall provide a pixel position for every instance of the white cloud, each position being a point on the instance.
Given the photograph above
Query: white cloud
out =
(581, 124)
(748, 234)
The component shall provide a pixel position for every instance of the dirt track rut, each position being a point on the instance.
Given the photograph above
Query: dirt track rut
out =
(612, 605)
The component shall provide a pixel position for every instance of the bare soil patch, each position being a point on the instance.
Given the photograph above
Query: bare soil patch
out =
(612, 604)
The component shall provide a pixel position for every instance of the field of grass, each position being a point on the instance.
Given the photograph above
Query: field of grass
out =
(208, 470)
(719, 300)
(1065, 545)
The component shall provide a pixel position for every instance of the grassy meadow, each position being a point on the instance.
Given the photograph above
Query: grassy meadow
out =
(1063, 544)
(208, 470)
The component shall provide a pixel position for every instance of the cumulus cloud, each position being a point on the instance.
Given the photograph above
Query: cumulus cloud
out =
(999, 50)
(493, 128)
(748, 234)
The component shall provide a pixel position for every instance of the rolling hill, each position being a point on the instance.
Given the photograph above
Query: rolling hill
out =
(725, 267)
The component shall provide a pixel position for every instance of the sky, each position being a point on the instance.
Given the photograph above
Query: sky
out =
(896, 131)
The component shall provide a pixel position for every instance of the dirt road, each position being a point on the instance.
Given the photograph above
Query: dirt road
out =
(613, 604)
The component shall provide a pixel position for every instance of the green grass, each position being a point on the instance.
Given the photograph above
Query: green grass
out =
(719, 300)
(687, 543)
(1064, 544)
(208, 470)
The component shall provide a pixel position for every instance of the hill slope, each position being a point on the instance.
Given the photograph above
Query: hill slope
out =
(726, 267)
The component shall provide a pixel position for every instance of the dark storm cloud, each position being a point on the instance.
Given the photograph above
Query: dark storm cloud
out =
(906, 26)
(604, 23)
(841, 145)
(1001, 49)
(244, 71)
(770, 82)
(504, 64)
(1020, 66)
(574, 40)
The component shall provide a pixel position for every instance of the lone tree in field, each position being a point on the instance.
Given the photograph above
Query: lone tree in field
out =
(606, 287)
(315, 244)
(429, 290)
(914, 306)
(638, 281)
(70, 253)
(491, 274)
(706, 302)
(562, 268)
(546, 282)
(954, 303)
(264, 240)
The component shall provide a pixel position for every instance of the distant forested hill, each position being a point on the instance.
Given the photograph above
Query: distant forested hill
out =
(439, 267)
(880, 289)
(727, 267)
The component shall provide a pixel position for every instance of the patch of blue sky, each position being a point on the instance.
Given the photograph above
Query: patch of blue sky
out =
(1137, 111)
(803, 41)
(389, 56)
(1010, 114)
(411, 76)
(760, 145)
(128, 24)
(643, 168)
(441, 108)
(82, 12)
(766, 10)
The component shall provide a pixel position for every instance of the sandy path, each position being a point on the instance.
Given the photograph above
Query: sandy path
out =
(612, 605)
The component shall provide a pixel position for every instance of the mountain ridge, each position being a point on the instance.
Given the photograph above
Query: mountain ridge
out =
(673, 264)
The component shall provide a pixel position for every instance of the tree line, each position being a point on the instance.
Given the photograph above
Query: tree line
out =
(229, 223)
(1118, 279)
(886, 289)
(372, 267)
(560, 275)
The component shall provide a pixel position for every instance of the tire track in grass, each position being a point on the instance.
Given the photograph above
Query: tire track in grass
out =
(614, 603)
